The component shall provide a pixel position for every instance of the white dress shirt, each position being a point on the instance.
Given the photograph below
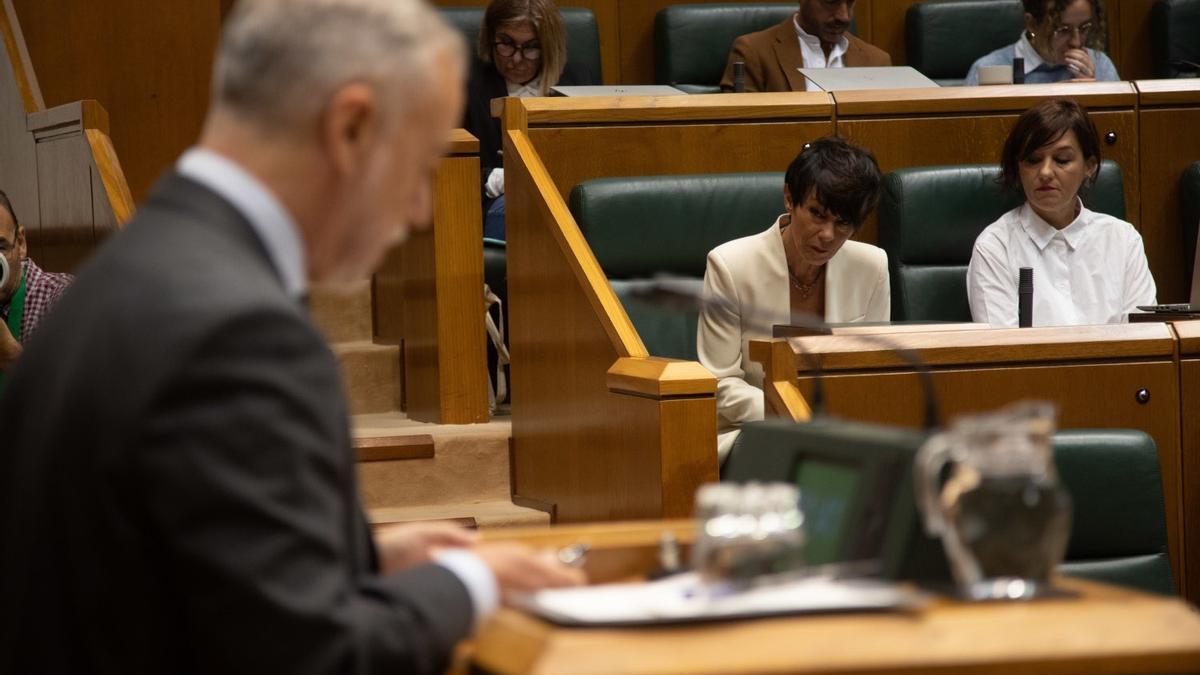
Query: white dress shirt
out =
(1092, 271)
(748, 280)
(814, 55)
(276, 229)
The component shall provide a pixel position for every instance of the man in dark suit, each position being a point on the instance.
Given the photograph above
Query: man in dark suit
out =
(177, 478)
(815, 37)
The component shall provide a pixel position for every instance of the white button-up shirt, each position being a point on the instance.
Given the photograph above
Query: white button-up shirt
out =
(814, 55)
(1092, 271)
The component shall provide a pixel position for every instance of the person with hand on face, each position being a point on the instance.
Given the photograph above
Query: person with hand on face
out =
(522, 52)
(816, 36)
(28, 293)
(803, 265)
(1088, 268)
(1061, 43)
(178, 487)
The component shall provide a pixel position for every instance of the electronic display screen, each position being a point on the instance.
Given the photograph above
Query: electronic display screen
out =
(827, 495)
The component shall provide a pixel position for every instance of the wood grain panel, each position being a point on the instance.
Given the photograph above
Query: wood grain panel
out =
(887, 27)
(591, 453)
(1132, 55)
(1087, 395)
(1189, 401)
(148, 64)
(17, 100)
(900, 142)
(1189, 337)
(1099, 629)
(445, 354)
(575, 154)
(1167, 148)
(767, 106)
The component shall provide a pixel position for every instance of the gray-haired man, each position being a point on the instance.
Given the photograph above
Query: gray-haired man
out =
(179, 492)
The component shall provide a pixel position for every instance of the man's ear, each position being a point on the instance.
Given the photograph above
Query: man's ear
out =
(350, 127)
(22, 250)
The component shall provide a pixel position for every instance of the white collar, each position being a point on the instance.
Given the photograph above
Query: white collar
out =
(530, 88)
(266, 215)
(1042, 232)
(838, 49)
(1025, 50)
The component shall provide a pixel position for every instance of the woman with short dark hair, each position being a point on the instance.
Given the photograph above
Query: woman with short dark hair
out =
(1088, 267)
(803, 265)
(1062, 41)
(522, 51)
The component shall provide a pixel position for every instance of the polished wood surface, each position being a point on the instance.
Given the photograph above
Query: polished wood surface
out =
(1092, 373)
(59, 168)
(428, 296)
(388, 448)
(1169, 116)
(694, 108)
(1104, 629)
(1189, 402)
(583, 448)
(148, 64)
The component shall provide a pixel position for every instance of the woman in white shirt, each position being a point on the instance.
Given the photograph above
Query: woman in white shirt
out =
(1088, 267)
(803, 265)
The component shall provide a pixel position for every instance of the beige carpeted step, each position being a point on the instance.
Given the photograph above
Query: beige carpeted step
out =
(477, 514)
(343, 312)
(372, 376)
(469, 464)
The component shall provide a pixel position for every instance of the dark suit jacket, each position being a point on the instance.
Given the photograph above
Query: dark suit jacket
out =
(177, 481)
(773, 57)
(484, 84)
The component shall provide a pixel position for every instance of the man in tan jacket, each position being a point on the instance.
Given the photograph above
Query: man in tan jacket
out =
(814, 37)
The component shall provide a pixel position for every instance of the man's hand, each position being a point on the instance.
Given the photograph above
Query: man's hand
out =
(10, 349)
(519, 569)
(411, 544)
(1078, 61)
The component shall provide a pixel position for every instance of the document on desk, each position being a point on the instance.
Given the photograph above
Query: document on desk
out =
(684, 599)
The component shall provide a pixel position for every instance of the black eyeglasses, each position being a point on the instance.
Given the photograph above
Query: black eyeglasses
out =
(532, 51)
(1065, 30)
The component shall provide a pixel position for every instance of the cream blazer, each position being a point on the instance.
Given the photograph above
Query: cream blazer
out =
(749, 278)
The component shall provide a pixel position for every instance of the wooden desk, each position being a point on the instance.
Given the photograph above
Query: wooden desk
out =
(1189, 402)
(1092, 373)
(1105, 629)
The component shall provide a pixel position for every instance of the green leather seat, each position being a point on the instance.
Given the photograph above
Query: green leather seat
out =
(1189, 213)
(945, 37)
(692, 42)
(929, 218)
(1119, 532)
(583, 38)
(1175, 38)
(641, 227)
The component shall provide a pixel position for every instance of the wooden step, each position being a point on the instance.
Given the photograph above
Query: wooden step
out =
(343, 312)
(372, 376)
(472, 514)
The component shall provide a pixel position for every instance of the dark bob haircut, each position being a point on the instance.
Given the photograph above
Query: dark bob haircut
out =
(845, 178)
(8, 207)
(1041, 125)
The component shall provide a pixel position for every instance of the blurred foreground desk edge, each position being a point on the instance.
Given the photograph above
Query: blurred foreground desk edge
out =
(1103, 629)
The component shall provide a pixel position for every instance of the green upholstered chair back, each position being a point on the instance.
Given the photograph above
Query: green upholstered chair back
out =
(692, 42)
(946, 36)
(1119, 532)
(1189, 213)
(1175, 38)
(640, 227)
(929, 218)
(583, 38)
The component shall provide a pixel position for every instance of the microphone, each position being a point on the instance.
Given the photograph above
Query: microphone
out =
(1018, 70)
(1025, 298)
(739, 77)
(687, 295)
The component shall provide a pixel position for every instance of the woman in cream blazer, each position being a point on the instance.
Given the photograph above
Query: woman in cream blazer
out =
(751, 285)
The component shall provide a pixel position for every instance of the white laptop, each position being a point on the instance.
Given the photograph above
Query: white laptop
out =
(618, 90)
(849, 79)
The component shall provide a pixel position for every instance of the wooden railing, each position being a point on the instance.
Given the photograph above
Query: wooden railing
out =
(59, 167)
(600, 430)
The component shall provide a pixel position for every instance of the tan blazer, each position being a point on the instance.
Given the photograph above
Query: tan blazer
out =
(750, 274)
(773, 58)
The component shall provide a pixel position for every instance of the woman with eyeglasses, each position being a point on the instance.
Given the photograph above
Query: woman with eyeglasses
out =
(1061, 43)
(522, 51)
(1088, 268)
